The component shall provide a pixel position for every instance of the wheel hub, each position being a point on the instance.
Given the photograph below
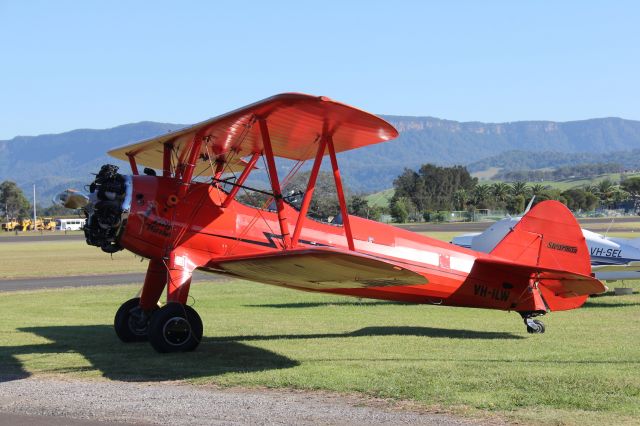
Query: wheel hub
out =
(176, 331)
(138, 322)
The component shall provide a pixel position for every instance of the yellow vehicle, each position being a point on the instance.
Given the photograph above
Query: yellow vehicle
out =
(46, 224)
(49, 224)
(26, 224)
(10, 225)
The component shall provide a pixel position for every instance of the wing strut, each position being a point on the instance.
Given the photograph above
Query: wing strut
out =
(311, 185)
(275, 183)
(219, 168)
(166, 159)
(238, 184)
(132, 163)
(340, 191)
(190, 165)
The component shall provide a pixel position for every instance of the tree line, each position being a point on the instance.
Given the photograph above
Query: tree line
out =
(419, 195)
(425, 193)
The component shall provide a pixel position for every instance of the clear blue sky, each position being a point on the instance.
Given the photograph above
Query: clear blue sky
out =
(97, 64)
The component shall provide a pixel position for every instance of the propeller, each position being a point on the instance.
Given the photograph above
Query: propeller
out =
(71, 199)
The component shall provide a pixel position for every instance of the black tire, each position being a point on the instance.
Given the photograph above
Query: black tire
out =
(538, 330)
(129, 322)
(175, 328)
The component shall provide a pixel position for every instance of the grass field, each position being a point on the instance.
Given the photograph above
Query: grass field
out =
(380, 199)
(29, 234)
(562, 184)
(60, 258)
(584, 370)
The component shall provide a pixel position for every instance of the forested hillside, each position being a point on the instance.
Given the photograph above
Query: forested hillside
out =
(55, 162)
(530, 160)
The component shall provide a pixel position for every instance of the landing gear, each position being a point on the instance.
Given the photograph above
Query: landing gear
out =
(175, 328)
(534, 326)
(131, 322)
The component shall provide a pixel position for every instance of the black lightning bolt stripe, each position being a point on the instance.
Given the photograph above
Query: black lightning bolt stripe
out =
(270, 240)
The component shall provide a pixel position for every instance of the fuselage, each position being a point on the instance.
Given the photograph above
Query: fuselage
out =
(156, 224)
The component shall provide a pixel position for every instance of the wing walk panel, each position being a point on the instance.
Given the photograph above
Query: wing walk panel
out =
(320, 269)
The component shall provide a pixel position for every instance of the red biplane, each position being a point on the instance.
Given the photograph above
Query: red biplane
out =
(181, 224)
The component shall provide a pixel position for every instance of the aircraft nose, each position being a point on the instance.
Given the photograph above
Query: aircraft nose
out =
(108, 208)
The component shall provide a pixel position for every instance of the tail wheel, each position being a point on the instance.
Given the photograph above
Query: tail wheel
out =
(175, 328)
(534, 326)
(131, 323)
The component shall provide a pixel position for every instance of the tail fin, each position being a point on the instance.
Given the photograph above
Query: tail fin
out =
(548, 236)
(549, 242)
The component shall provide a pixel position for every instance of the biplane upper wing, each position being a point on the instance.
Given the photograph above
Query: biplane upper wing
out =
(296, 122)
(320, 269)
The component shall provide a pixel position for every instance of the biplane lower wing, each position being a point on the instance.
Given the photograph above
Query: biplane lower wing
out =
(320, 269)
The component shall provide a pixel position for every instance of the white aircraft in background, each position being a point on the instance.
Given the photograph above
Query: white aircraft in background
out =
(612, 259)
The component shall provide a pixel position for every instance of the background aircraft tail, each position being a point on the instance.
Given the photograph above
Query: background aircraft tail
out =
(548, 245)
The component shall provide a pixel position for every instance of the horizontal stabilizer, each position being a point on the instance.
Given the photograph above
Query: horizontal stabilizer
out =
(561, 283)
(320, 269)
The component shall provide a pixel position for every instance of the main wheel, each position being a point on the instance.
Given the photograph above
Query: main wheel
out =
(537, 328)
(175, 328)
(131, 323)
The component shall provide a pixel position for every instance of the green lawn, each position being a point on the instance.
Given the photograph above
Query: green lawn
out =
(29, 234)
(584, 370)
(75, 257)
(565, 184)
(60, 258)
(380, 199)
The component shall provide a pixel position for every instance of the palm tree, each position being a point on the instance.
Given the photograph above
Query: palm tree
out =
(605, 190)
(481, 195)
(592, 189)
(519, 188)
(500, 191)
(538, 188)
(460, 198)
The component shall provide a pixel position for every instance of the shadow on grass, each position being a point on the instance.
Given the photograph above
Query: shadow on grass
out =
(381, 331)
(322, 304)
(215, 355)
(137, 361)
(596, 304)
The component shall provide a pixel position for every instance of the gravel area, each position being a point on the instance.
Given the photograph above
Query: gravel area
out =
(181, 404)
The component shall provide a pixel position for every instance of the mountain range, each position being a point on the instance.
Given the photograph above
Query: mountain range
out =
(59, 161)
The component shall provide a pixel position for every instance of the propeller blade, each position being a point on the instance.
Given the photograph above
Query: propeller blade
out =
(71, 199)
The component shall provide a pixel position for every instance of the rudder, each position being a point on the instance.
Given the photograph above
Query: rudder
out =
(549, 238)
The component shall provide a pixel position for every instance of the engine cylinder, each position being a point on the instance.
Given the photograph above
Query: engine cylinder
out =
(107, 210)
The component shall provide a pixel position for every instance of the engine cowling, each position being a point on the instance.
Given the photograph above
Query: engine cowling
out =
(108, 208)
